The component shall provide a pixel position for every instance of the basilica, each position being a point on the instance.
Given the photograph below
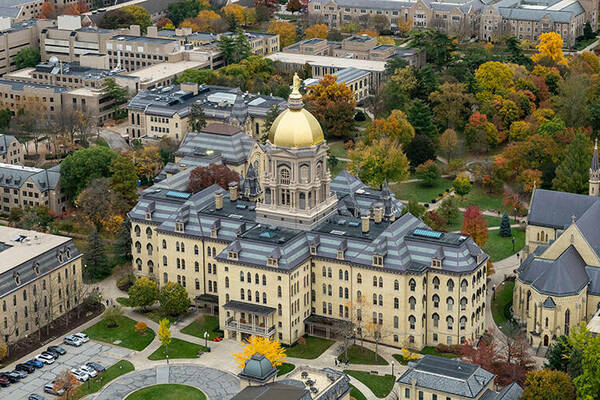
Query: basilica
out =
(289, 251)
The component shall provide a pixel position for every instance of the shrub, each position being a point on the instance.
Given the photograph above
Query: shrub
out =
(126, 282)
(141, 327)
(111, 316)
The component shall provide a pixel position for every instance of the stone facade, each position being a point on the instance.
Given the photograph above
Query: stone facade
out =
(11, 150)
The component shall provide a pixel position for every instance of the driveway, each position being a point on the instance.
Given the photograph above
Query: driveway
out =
(114, 139)
(75, 357)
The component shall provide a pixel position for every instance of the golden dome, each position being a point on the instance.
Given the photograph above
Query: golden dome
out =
(296, 127)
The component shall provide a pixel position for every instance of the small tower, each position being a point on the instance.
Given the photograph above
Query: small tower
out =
(595, 173)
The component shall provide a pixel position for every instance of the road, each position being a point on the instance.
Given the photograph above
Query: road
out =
(114, 139)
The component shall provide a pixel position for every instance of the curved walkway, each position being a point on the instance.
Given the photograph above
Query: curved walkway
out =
(217, 385)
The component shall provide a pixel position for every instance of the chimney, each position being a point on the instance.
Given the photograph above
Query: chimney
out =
(190, 87)
(219, 200)
(365, 223)
(135, 30)
(152, 31)
(233, 191)
(378, 212)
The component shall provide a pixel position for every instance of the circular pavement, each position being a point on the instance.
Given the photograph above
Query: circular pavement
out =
(217, 385)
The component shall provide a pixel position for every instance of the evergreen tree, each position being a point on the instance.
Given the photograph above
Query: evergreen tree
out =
(559, 354)
(572, 174)
(95, 257)
(448, 209)
(505, 230)
(420, 117)
(123, 240)
(197, 119)
(419, 150)
(271, 115)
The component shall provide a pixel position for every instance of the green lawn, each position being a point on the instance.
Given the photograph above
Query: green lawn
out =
(499, 248)
(178, 349)
(313, 348)
(124, 301)
(478, 197)
(400, 359)
(362, 355)
(204, 323)
(431, 351)
(424, 194)
(125, 332)
(457, 225)
(356, 394)
(338, 150)
(381, 386)
(167, 392)
(285, 368)
(502, 302)
(95, 384)
(156, 315)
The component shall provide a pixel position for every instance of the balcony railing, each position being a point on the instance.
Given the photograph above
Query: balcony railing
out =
(238, 326)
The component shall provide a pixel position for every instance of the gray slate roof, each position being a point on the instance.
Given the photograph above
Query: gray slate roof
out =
(554, 209)
(14, 176)
(5, 141)
(555, 10)
(464, 6)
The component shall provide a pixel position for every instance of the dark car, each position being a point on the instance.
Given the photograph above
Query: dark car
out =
(35, 363)
(22, 374)
(57, 349)
(24, 367)
(34, 396)
(4, 382)
(96, 366)
(11, 378)
(52, 353)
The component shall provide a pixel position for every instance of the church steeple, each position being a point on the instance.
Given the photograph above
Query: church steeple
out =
(595, 172)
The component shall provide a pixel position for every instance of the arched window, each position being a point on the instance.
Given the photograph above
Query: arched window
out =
(450, 285)
(380, 319)
(164, 244)
(380, 282)
(208, 251)
(374, 317)
(149, 233)
(411, 322)
(359, 280)
(567, 321)
(396, 303)
(450, 303)
(264, 280)
(329, 290)
(436, 320)
(165, 261)
(242, 294)
(380, 300)
(249, 276)
(176, 246)
(214, 252)
(463, 304)
(396, 285)
(340, 275)
(340, 292)
(149, 249)
(227, 282)
(279, 310)
(196, 249)
(249, 295)
(450, 322)
(137, 230)
(257, 296)
(436, 283)
(182, 247)
(374, 299)
(256, 279)
(463, 323)
(346, 293)
(358, 294)
(413, 302)
(374, 281)
(241, 276)
(324, 289)
(412, 284)
(528, 298)
(138, 247)
(329, 272)
(345, 275)
(395, 322)
(264, 298)
(463, 285)
(304, 173)
(278, 291)
(324, 271)
(436, 301)
(284, 176)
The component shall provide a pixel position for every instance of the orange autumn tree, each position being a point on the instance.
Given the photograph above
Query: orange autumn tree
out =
(316, 31)
(47, 10)
(475, 225)
(271, 349)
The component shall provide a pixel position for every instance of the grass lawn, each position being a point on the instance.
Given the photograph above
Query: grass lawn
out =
(478, 197)
(95, 384)
(400, 359)
(204, 323)
(338, 150)
(285, 368)
(381, 386)
(313, 348)
(502, 302)
(498, 247)
(178, 349)
(362, 355)
(156, 315)
(124, 301)
(431, 351)
(356, 394)
(125, 332)
(457, 225)
(423, 194)
(167, 392)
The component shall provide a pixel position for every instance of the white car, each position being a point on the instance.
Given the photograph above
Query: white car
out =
(46, 359)
(80, 375)
(72, 340)
(82, 336)
(88, 370)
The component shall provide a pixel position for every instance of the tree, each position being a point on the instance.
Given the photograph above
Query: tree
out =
(419, 150)
(451, 104)
(27, 58)
(123, 240)
(285, 30)
(147, 162)
(333, 105)
(48, 10)
(395, 127)
(205, 21)
(199, 76)
(519, 130)
(414, 208)
(197, 118)
(587, 347)
(67, 382)
(494, 77)
(203, 177)
(548, 384)
(448, 209)
(437, 45)
(143, 293)
(141, 327)
(3, 350)
(174, 299)
(428, 172)
(485, 354)
(378, 162)
(36, 217)
(234, 13)
(294, 6)
(475, 225)
(559, 354)
(112, 315)
(271, 349)
(505, 229)
(549, 47)
(448, 143)
(435, 221)
(94, 259)
(571, 102)
(98, 203)
(165, 23)
(84, 165)
(235, 48)
(141, 17)
(164, 334)
(316, 31)
(116, 92)
(124, 179)
(393, 64)
(420, 117)
(572, 174)
(115, 19)
(480, 134)
(181, 10)
(461, 185)
(272, 114)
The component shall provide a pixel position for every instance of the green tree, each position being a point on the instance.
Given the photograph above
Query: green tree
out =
(393, 64)
(197, 118)
(413, 207)
(513, 45)
(173, 299)
(378, 162)
(587, 383)
(123, 240)
(94, 258)
(112, 315)
(98, 202)
(558, 354)
(124, 179)
(548, 384)
(141, 17)
(451, 104)
(572, 174)
(449, 143)
(181, 10)
(199, 76)
(437, 45)
(420, 117)
(449, 209)
(27, 58)
(5, 117)
(116, 92)
(429, 172)
(36, 217)
(143, 293)
(461, 184)
(419, 150)
(234, 48)
(505, 229)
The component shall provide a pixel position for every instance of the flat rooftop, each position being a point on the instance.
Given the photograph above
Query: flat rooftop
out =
(19, 245)
(327, 61)
(162, 70)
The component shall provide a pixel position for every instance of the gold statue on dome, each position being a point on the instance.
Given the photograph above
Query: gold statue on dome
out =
(296, 84)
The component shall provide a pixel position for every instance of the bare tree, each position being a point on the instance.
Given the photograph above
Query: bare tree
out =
(67, 382)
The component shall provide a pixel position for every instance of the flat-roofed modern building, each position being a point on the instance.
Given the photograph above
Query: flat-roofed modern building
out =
(40, 277)
(15, 36)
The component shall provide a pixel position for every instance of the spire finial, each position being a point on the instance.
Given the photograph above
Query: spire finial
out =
(295, 98)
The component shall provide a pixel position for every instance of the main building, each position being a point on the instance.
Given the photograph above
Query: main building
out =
(290, 251)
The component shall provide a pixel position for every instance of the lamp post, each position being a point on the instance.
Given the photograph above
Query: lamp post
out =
(206, 340)
(392, 368)
(167, 359)
(515, 212)
(513, 243)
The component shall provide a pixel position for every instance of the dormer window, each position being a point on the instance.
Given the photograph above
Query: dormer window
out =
(378, 260)
(232, 255)
(313, 250)
(68, 253)
(36, 268)
(148, 216)
(436, 263)
(59, 256)
(272, 262)
(213, 233)
(179, 227)
(340, 254)
(479, 258)
(17, 278)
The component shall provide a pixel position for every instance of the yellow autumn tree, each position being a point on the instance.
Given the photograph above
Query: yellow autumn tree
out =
(368, 32)
(147, 161)
(285, 30)
(271, 349)
(385, 40)
(395, 127)
(550, 46)
(316, 31)
(234, 12)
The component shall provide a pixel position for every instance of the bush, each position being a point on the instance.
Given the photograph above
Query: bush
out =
(126, 282)
(451, 349)
(111, 316)
(141, 327)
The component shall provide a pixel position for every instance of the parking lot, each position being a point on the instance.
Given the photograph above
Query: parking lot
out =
(75, 357)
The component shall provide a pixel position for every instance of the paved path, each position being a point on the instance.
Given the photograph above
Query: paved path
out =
(217, 385)
(114, 139)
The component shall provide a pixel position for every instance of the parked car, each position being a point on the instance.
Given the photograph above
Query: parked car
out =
(57, 349)
(49, 388)
(49, 354)
(21, 374)
(98, 367)
(35, 363)
(73, 341)
(80, 375)
(53, 353)
(82, 336)
(34, 396)
(10, 376)
(89, 370)
(4, 382)
(46, 359)
(24, 367)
